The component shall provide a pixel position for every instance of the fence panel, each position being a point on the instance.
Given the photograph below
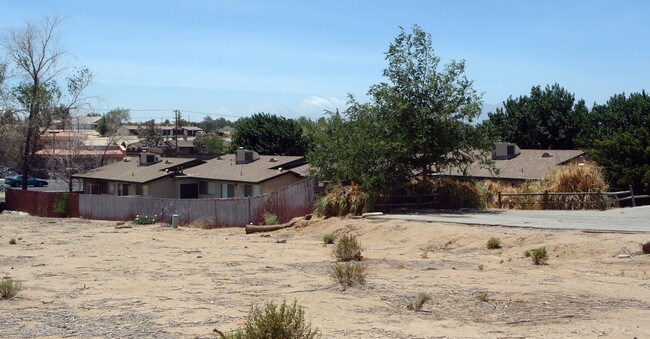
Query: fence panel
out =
(286, 203)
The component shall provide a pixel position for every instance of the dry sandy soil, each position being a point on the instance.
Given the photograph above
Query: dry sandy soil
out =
(88, 279)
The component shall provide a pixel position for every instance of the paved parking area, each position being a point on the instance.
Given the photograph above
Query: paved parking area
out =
(635, 219)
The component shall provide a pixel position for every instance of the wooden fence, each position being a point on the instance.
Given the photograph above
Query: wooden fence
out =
(286, 203)
(571, 200)
(387, 203)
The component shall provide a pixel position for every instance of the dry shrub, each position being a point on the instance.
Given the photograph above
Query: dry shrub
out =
(348, 273)
(271, 321)
(419, 301)
(343, 200)
(456, 194)
(203, 223)
(347, 249)
(9, 288)
(574, 177)
(646, 248)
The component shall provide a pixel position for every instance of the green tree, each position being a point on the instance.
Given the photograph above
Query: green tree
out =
(210, 143)
(35, 56)
(420, 121)
(151, 135)
(620, 113)
(102, 126)
(548, 118)
(269, 134)
(624, 156)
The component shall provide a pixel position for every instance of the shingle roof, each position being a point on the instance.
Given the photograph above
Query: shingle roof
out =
(225, 169)
(531, 164)
(129, 170)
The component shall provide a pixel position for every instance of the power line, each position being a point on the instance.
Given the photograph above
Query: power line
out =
(163, 109)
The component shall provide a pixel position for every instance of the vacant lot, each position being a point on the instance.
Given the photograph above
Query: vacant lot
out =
(87, 278)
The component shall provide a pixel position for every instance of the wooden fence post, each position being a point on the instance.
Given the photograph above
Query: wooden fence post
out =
(599, 198)
(499, 201)
(632, 196)
(545, 200)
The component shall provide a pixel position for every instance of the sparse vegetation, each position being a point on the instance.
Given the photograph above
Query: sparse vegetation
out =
(646, 248)
(271, 321)
(494, 243)
(9, 288)
(425, 251)
(456, 194)
(527, 253)
(145, 219)
(539, 256)
(481, 267)
(329, 239)
(343, 200)
(270, 218)
(347, 248)
(483, 296)
(61, 204)
(12, 241)
(348, 274)
(419, 301)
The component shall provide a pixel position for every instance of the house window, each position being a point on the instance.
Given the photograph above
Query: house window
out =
(138, 189)
(248, 190)
(122, 189)
(248, 157)
(150, 158)
(93, 188)
(203, 187)
(103, 188)
(231, 191)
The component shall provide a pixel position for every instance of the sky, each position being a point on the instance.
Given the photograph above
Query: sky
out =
(299, 58)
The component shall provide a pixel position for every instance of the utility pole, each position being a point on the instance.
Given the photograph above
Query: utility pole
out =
(177, 114)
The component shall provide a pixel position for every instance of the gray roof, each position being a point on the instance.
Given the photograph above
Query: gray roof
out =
(129, 170)
(224, 168)
(531, 164)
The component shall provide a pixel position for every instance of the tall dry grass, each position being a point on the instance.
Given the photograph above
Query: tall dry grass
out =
(342, 200)
(574, 177)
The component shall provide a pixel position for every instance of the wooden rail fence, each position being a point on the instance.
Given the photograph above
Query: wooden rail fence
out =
(550, 200)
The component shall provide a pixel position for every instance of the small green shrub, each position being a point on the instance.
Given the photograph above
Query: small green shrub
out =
(494, 243)
(347, 248)
(61, 204)
(481, 267)
(539, 256)
(145, 219)
(329, 239)
(12, 241)
(483, 296)
(419, 301)
(9, 288)
(270, 218)
(348, 274)
(271, 321)
(527, 253)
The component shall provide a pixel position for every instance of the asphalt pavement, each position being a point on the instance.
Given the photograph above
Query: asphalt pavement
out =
(631, 219)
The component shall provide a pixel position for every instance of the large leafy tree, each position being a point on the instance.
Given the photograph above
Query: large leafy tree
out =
(34, 56)
(269, 134)
(420, 121)
(617, 136)
(548, 118)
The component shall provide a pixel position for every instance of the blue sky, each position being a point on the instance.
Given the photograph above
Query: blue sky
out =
(293, 58)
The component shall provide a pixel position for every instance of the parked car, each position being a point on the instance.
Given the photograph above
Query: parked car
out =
(31, 181)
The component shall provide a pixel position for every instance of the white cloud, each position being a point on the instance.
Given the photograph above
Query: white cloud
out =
(316, 104)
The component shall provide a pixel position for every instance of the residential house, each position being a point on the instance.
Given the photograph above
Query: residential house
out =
(86, 123)
(185, 147)
(148, 175)
(243, 174)
(246, 173)
(515, 166)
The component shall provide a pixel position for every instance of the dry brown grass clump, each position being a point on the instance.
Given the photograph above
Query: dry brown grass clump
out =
(343, 200)
(574, 177)
(456, 194)
(646, 248)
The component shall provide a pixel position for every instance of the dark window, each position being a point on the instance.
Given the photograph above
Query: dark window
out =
(203, 187)
(248, 190)
(123, 189)
(248, 156)
(189, 191)
(150, 158)
(231, 191)
(103, 188)
(511, 149)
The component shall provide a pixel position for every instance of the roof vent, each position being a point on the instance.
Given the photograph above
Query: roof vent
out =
(547, 155)
(273, 160)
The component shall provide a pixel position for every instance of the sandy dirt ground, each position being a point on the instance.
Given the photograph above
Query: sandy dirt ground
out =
(88, 279)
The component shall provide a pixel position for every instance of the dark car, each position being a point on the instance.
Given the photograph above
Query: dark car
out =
(31, 181)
